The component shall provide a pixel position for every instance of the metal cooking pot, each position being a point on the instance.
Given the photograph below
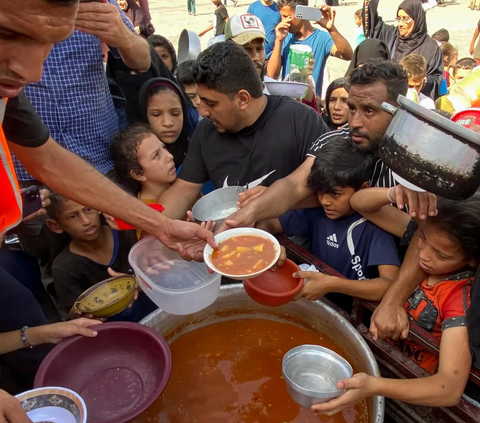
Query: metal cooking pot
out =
(189, 46)
(234, 303)
(431, 151)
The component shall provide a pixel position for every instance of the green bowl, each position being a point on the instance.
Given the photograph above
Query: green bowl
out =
(108, 297)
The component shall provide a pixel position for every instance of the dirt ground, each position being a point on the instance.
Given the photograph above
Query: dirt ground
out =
(170, 17)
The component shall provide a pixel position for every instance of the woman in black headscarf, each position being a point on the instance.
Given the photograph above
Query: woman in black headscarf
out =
(336, 105)
(410, 36)
(138, 17)
(369, 49)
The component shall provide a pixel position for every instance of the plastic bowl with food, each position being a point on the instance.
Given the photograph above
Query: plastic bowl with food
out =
(242, 253)
(108, 297)
(287, 88)
(312, 374)
(53, 404)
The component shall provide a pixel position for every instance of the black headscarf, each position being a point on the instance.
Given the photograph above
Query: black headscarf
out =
(179, 148)
(337, 83)
(369, 49)
(138, 17)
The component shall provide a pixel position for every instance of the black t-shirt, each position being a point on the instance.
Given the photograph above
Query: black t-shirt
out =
(21, 123)
(73, 274)
(272, 148)
(220, 15)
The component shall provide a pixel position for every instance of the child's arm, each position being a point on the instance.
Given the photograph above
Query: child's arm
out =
(374, 204)
(318, 284)
(209, 28)
(444, 389)
(272, 226)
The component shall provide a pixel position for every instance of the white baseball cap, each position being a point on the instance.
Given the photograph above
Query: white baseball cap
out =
(244, 28)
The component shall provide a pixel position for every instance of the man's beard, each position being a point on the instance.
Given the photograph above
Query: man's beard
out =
(373, 142)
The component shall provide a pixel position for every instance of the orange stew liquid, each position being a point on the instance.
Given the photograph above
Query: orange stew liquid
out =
(241, 255)
(231, 372)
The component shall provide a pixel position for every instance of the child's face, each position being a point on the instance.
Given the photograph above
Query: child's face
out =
(358, 20)
(337, 203)
(417, 83)
(439, 254)
(165, 116)
(123, 4)
(80, 222)
(165, 56)
(191, 91)
(157, 163)
(460, 74)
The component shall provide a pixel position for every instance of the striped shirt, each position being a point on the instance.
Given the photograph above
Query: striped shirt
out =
(73, 100)
(382, 174)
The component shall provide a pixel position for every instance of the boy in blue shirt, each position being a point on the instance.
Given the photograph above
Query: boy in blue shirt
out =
(267, 12)
(341, 238)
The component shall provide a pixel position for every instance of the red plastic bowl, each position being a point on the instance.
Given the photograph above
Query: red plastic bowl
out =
(119, 373)
(274, 288)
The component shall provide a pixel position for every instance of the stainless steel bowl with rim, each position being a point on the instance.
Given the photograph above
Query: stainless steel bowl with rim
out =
(217, 205)
(189, 46)
(233, 303)
(312, 373)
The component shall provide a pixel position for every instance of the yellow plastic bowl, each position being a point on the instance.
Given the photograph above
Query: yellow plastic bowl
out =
(108, 297)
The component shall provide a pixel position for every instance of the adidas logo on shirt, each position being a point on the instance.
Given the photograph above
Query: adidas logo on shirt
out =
(332, 241)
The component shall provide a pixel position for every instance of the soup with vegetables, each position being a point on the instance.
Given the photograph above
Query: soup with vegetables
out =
(244, 254)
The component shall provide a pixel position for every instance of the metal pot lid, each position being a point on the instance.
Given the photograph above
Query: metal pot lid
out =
(444, 124)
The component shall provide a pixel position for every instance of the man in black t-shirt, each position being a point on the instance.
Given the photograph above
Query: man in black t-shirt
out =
(246, 138)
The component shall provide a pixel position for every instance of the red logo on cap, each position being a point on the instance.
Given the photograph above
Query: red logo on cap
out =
(249, 22)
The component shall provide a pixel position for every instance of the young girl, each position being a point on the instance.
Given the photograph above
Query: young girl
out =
(165, 50)
(449, 251)
(143, 165)
(336, 105)
(164, 107)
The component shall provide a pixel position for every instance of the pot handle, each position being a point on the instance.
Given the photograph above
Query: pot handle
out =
(386, 107)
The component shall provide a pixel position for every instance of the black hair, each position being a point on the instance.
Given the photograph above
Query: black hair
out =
(160, 41)
(292, 3)
(56, 203)
(465, 63)
(386, 71)
(461, 221)
(62, 2)
(340, 163)
(185, 73)
(227, 68)
(358, 13)
(442, 35)
(124, 154)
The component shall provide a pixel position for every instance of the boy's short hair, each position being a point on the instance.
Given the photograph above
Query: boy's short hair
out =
(448, 52)
(185, 73)
(415, 65)
(292, 3)
(358, 13)
(340, 163)
(461, 221)
(56, 204)
(465, 63)
(442, 35)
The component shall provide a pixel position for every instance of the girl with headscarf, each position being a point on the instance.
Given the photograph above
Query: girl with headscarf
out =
(336, 105)
(410, 36)
(369, 49)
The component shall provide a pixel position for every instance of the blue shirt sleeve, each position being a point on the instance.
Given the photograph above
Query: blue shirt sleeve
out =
(383, 250)
(296, 222)
(250, 9)
(328, 45)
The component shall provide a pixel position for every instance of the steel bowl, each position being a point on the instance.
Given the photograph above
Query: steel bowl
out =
(312, 373)
(431, 151)
(189, 46)
(217, 205)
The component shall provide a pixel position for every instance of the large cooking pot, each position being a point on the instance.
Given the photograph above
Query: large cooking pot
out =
(189, 46)
(234, 303)
(431, 151)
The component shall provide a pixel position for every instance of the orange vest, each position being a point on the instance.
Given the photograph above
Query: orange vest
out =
(10, 197)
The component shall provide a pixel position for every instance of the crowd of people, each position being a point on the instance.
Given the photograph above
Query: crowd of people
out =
(97, 113)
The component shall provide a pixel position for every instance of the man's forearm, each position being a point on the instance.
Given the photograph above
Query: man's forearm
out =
(344, 50)
(72, 177)
(274, 65)
(409, 276)
(177, 200)
(367, 289)
(135, 52)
